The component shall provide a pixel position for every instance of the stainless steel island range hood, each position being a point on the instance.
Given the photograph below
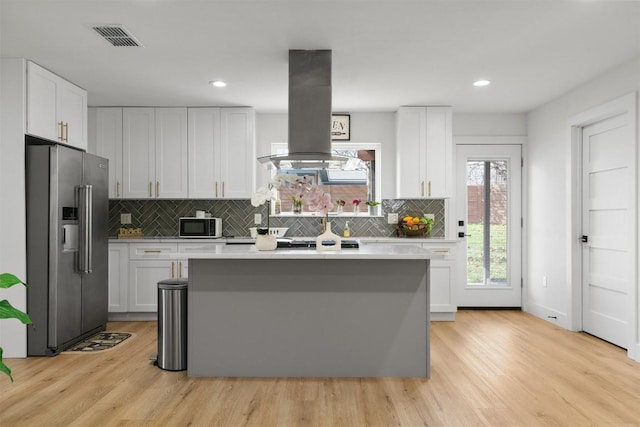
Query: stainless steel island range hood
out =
(309, 114)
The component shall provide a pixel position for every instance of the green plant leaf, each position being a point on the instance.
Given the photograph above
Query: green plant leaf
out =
(7, 280)
(7, 311)
(4, 368)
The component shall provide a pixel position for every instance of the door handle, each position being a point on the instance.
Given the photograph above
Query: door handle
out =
(463, 234)
(584, 239)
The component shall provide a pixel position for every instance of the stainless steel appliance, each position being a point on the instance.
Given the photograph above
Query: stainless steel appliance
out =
(192, 227)
(67, 246)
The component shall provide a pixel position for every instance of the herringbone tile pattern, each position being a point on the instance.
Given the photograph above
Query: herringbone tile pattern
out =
(159, 218)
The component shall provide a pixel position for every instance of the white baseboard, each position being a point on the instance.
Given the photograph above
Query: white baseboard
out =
(133, 317)
(443, 317)
(548, 314)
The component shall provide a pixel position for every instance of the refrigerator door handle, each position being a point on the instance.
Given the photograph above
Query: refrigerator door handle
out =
(85, 193)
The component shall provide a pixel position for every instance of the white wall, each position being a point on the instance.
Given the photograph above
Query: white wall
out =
(550, 190)
(13, 336)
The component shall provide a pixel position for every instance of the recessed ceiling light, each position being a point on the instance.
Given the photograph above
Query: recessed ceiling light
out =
(218, 83)
(480, 83)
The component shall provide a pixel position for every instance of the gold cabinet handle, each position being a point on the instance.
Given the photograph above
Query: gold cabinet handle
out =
(150, 187)
(66, 132)
(152, 251)
(172, 270)
(216, 188)
(422, 189)
(429, 188)
(117, 188)
(222, 188)
(157, 188)
(179, 269)
(60, 126)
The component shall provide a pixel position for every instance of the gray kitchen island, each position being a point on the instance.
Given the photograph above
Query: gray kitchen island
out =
(306, 313)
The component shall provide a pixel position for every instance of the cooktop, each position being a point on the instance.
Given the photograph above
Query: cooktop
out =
(310, 244)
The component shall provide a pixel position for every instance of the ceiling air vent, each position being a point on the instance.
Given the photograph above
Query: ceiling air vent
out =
(117, 35)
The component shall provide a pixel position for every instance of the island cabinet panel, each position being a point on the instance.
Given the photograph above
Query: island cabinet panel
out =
(306, 317)
(221, 153)
(56, 108)
(424, 161)
(443, 275)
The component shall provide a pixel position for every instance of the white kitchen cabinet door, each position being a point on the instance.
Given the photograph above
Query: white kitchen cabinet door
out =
(410, 147)
(171, 180)
(108, 141)
(118, 277)
(442, 278)
(138, 153)
(42, 103)
(204, 153)
(237, 152)
(56, 108)
(439, 152)
(221, 153)
(143, 283)
(424, 152)
(72, 112)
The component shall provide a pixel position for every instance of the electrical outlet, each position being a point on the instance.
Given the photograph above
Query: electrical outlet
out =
(257, 219)
(125, 218)
(544, 281)
(430, 216)
(392, 218)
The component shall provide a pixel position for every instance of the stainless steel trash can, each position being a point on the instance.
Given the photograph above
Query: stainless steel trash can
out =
(172, 324)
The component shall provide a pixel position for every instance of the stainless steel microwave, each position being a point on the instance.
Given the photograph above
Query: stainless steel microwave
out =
(200, 228)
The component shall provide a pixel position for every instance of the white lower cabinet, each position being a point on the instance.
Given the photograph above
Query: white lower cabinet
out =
(136, 268)
(118, 277)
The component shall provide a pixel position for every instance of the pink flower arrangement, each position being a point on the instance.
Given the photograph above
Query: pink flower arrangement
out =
(356, 202)
(318, 200)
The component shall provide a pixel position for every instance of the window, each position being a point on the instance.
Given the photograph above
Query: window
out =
(360, 178)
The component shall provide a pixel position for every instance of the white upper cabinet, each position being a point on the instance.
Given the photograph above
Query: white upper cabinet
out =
(107, 135)
(154, 153)
(171, 153)
(424, 152)
(56, 109)
(221, 153)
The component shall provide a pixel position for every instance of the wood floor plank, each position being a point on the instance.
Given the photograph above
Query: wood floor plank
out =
(489, 368)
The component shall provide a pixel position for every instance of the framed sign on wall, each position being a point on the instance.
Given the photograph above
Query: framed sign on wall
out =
(341, 127)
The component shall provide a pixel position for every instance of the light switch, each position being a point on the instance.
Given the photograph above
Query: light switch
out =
(257, 219)
(392, 218)
(430, 216)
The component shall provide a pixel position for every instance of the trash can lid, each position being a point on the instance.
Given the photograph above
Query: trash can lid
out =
(173, 283)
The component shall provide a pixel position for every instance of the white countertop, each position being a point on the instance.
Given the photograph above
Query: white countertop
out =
(249, 240)
(399, 252)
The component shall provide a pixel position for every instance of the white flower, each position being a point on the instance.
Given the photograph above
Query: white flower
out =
(261, 196)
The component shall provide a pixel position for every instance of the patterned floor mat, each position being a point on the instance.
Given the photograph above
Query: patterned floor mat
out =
(99, 342)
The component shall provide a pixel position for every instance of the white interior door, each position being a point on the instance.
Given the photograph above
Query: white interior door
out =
(608, 214)
(489, 203)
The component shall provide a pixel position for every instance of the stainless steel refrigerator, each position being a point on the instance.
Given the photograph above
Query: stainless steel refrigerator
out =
(67, 246)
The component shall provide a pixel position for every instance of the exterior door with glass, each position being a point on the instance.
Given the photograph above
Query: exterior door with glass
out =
(489, 203)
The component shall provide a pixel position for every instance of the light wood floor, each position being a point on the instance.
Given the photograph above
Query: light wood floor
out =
(489, 368)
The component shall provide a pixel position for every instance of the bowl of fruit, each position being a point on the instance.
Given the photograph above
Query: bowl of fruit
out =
(415, 226)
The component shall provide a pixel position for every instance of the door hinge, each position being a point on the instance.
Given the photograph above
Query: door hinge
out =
(521, 283)
(521, 222)
(521, 162)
